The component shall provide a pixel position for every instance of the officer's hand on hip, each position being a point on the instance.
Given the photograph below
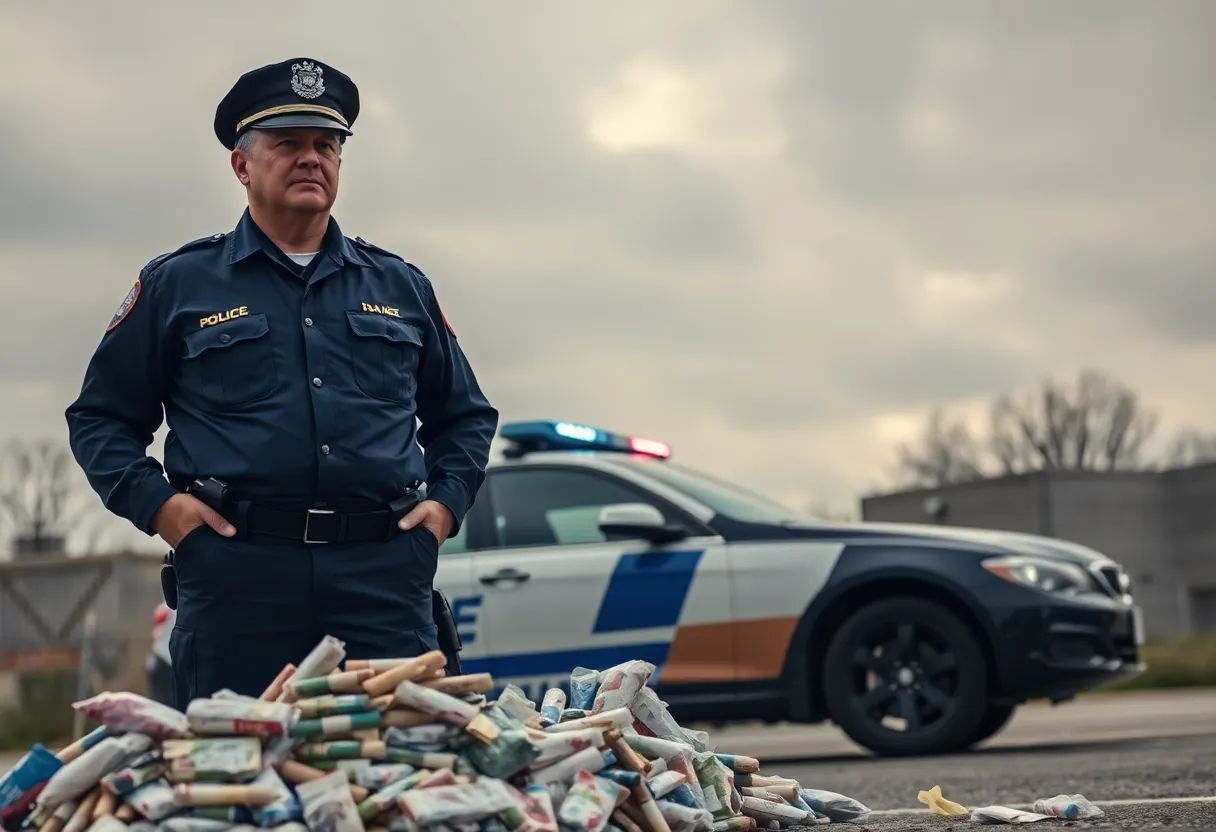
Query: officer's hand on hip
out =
(435, 516)
(182, 514)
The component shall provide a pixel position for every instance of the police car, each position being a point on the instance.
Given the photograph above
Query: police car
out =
(589, 548)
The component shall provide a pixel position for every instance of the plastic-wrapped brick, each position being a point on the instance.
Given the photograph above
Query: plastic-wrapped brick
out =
(394, 745)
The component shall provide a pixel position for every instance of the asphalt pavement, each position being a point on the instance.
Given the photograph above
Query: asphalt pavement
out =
(1147, 759)
(1144, 758)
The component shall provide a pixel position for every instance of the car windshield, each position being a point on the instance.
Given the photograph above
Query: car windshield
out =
(723, 497)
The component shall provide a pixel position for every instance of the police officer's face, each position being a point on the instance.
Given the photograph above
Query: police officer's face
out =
(292, 169)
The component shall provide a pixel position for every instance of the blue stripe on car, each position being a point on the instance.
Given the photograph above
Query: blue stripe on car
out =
(647, 589)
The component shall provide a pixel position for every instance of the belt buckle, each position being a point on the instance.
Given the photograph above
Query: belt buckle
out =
(307, 521)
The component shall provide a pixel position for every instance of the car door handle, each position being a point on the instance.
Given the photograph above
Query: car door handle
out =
(503, 575)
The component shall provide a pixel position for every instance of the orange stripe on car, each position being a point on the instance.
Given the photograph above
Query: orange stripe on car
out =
(728, 652)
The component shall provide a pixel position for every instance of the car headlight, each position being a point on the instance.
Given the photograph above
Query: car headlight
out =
(1041, 573)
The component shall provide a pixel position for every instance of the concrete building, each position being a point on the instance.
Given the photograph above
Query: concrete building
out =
(1160, 525)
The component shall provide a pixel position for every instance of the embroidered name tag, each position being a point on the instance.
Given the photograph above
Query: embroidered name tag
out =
(381, 310)
(220, 317)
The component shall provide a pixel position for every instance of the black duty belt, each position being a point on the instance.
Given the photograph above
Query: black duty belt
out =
(314, 525)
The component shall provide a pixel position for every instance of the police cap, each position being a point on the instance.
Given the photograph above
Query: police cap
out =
(300, 92)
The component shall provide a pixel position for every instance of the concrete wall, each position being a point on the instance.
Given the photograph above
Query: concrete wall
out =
(1126, 517)
(1192, 524)
(1009, 503)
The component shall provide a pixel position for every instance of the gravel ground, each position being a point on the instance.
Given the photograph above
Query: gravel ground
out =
(1137, 769)
(1148, 770)
(1143, 816)
(1132, 747)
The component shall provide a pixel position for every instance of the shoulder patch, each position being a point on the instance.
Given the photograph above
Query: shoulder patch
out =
(429, 287)
(362, 243)
(190, 246)
(451, 331)
(124, 308)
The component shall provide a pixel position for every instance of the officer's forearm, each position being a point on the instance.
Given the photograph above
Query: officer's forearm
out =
(130, 483)
(450, 493)
(456, 457)
(114, 418)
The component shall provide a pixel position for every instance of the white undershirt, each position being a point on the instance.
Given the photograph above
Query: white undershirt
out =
(303, 259)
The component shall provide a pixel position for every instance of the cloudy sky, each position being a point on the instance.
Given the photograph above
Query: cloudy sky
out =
(773, 233)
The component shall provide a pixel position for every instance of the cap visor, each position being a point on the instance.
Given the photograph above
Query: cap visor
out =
(300, 120)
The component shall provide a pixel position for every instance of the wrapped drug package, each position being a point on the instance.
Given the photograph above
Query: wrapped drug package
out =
(341, 743)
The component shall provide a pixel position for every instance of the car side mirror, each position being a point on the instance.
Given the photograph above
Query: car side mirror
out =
(638, 520)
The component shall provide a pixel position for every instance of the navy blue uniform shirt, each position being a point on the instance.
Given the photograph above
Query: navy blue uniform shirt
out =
(297, 386)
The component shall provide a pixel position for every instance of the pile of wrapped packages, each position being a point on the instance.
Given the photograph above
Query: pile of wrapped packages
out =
(338, 745)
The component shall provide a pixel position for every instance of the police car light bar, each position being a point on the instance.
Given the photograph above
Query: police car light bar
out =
(568, 436)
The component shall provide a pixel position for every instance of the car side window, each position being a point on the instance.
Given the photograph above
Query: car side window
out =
(458, 543)
(549, 507)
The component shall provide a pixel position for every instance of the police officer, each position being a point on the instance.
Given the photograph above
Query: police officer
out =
(292, 364)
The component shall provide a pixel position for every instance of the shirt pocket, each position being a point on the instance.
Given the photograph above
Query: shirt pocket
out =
(384, 354)
(231, 364)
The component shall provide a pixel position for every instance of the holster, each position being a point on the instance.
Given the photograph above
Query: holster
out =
(168, 581)
(213, 494)
(449, 637)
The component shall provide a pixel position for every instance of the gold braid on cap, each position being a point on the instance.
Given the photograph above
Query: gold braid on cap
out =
(284, 109)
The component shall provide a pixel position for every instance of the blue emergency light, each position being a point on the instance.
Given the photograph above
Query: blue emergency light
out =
(528, 437)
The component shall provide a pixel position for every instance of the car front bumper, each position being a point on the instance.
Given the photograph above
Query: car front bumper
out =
(1056, 648)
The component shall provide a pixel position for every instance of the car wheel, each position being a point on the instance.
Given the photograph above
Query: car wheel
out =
(996, 718)
(905, 676)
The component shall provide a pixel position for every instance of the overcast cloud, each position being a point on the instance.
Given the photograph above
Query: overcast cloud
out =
(772, 233)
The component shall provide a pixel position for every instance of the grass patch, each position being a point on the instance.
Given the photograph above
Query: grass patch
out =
(45, 715)
(20, 729)
(1179, 663)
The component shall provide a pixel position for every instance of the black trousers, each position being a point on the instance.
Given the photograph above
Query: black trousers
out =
(248, 607)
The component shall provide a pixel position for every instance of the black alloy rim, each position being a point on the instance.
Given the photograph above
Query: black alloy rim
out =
(905, 677)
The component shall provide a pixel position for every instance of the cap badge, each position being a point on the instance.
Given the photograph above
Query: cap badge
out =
(306, 80)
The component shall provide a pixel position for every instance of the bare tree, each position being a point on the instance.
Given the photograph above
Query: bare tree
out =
(1190, 446)
(946, 452)
(1094, 424)
(1098, 424)
(42, 495)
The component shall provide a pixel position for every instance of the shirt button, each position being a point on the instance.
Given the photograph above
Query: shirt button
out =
(225, 338)
(308, 322)
(316, 382)
(325, 450)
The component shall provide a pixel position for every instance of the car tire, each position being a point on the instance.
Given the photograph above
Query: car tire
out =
(929, 669)
(996, 718)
